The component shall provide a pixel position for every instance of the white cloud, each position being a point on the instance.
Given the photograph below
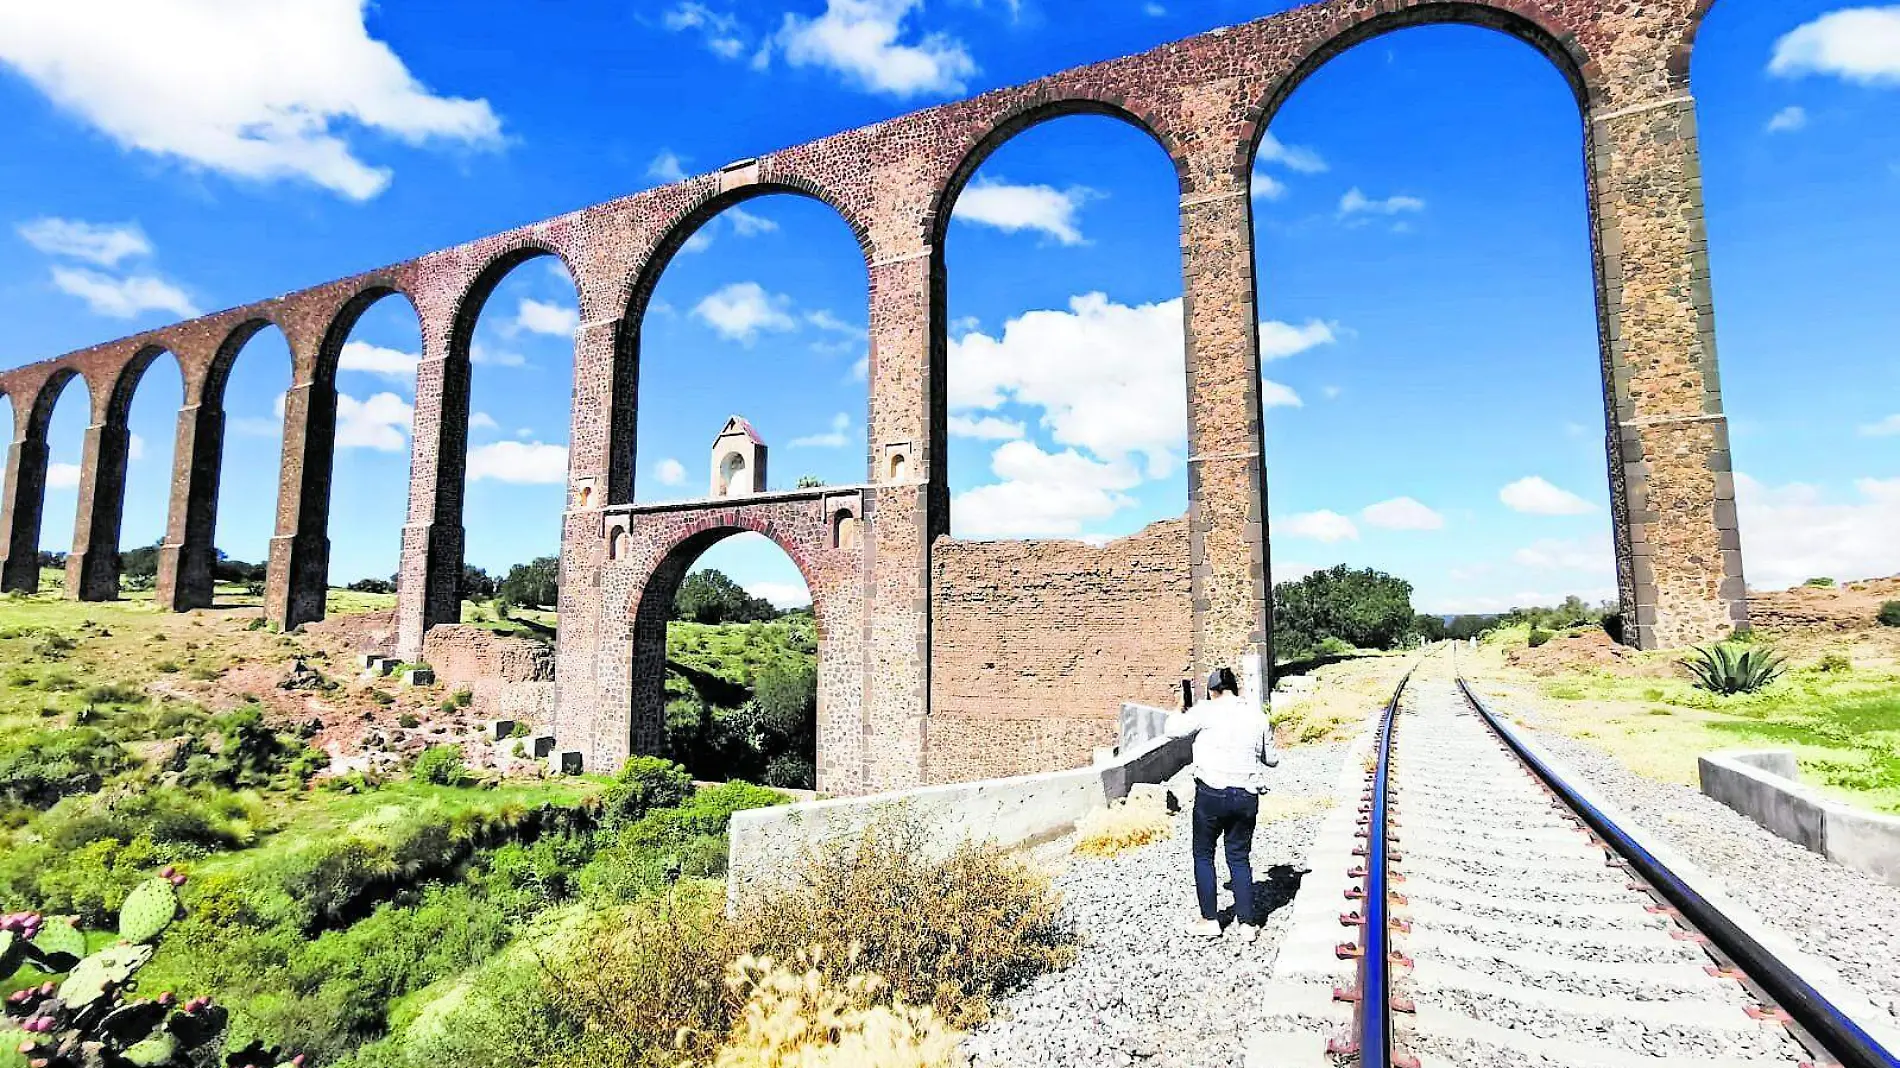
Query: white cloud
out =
(135, 448)
(861, 368)
(1265, 186)
(380, 423)
(1323, 526)
(746, 224)
(123, 298)
(104, 244)
(1293, 157)
(865, 41)
(1042, 494)
(783, 595)
(1013, 208)
(1887, 427)
(1279, 340)
(1278, 395)
(479, 353)
(1331, 392)
(1553, 554)
(826, 321)
(541, 317)
(62, 476)
(1153, 10)
(1535, 496)
(987, 428)
(1860, 44)
(1491, 604)
(1788, 119)
(482, 421)
(1402, 513)
(700, 241)
(377, 360)
(835, 438)
(721, 31)
(667, 167)
(1356, 202)
(1110, 377)
(259, 91)
(1793, 533)
(670, 472)
(741, 311)
(522, 462)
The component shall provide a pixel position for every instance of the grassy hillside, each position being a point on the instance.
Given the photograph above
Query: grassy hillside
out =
(132, 739)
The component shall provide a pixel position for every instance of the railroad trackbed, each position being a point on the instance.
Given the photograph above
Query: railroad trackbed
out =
(1479, 907)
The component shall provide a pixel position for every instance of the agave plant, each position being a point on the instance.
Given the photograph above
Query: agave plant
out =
(87, 1019)
(1729, 668)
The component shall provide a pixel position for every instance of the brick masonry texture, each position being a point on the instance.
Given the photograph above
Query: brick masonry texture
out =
(1205, 102)
(1037, 644)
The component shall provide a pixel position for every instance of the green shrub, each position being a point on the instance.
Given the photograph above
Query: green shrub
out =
(38, 768)
(1538, 637)
(1729, 668)
(408, 721)
(1834, 663)
(645, 783)
(1889, 615)
(382, 697)
(249, 753)
(1820, 583)
(463, 697)
(441, 765)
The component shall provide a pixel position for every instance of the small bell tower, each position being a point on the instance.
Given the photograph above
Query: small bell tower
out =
(738, 460)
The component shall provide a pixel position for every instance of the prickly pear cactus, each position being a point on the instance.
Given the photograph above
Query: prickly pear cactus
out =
(148, 910)
(59, 937)
(87, 1021)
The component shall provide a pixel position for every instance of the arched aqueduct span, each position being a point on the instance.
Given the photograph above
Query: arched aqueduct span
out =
(926, 642)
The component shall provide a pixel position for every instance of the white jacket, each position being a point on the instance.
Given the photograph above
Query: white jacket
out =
(1233, 743)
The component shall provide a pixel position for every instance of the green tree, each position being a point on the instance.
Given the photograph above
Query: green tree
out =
(140, 563)
(709, 596)
(1367, 609)
(477, 585)
(537, 582)
(810, 482)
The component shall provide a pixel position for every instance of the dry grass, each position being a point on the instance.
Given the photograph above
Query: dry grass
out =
(947, 930)
(809, 1017)
(1123, 825)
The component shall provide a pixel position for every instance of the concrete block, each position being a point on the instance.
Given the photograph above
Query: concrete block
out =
(1864, 841)
(418, 676)
(1140, 723)
(540, 745)
(1867, 841)
(568, 762)
(367, 661)
(497, 729)
(1769, 798)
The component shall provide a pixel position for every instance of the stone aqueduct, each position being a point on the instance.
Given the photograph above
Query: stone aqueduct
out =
(941, 659)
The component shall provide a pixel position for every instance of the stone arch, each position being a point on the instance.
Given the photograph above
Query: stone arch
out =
(218, 373)
(1509, 17)
(48, 396)
(655, 589)
(474, 296)
(130, 376)
(702, 209)
(1021, 119)
(330, 349)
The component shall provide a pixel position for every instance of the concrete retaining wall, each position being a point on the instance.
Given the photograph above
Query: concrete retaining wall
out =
(769, 844)
(1765, 786)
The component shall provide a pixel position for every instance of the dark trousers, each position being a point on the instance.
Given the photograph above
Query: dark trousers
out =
(1228, 814)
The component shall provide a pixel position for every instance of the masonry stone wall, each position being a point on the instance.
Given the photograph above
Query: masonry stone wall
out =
(491, 666)
(1206, 102)
(1038, 643)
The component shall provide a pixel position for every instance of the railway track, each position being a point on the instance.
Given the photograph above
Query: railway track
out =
(1503, 917)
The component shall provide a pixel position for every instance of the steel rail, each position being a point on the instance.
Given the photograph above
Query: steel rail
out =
(1837, 1033)
(1374, 1015)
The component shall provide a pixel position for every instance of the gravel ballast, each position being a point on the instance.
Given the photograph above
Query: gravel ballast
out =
(1143, 991)
(1846, 917)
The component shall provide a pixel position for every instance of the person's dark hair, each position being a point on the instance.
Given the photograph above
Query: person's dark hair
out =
(1221, 680)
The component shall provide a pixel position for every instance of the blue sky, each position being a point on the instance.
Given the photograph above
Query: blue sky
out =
(1422, 255)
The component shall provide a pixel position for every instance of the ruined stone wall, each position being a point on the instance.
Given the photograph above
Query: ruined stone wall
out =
(466, 656)
(1035, 645)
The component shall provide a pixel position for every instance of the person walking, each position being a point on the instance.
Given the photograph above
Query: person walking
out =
(1233, 750)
